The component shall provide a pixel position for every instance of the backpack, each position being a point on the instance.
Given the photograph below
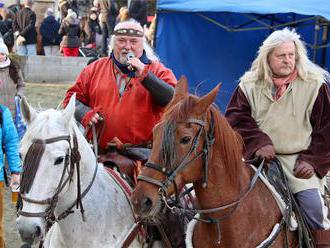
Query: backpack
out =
(8, 38)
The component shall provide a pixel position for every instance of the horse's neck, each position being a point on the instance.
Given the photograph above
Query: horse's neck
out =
(220, 189)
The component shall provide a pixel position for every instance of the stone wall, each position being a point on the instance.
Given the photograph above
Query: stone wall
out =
(51, 69)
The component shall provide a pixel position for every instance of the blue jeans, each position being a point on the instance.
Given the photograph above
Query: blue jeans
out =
(27, 50)
(313, 208)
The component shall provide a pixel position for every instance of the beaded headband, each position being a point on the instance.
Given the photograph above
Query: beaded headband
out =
(128, 32)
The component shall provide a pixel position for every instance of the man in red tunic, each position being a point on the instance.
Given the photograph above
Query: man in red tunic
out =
(130, 101)
(128, 90)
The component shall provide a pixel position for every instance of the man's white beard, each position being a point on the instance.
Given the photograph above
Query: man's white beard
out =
(123, 59)
(123, 56)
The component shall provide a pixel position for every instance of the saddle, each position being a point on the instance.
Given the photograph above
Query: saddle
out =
(127, 158)
(277, 178)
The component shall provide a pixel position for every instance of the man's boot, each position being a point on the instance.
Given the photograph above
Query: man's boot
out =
(321, 238)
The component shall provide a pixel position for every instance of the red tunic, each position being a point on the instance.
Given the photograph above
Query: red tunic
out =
(130, 117)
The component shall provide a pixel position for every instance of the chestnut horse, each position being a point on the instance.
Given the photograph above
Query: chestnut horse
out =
(195, 144)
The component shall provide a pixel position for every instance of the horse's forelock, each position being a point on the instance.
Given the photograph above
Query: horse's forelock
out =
(181, 111)
(228, 142)
(167, 151)
(46, 125)
(176, 113)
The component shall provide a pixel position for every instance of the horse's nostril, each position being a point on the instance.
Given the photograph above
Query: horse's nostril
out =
(146, 204)
(38, 231)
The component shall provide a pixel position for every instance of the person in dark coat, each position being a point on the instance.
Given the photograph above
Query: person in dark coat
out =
(51, 39)
(91, 30)
(108, 13)
(6, 28)
(24, 26)
(49, 31)
(70, 29)
(138, 11)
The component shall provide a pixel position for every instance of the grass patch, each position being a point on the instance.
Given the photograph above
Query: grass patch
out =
(45, 95)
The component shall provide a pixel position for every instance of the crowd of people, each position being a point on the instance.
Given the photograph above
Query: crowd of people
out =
(69, 31)
(127, 91)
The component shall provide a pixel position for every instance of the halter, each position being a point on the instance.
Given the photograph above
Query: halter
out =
(204, 153)
(71, 161)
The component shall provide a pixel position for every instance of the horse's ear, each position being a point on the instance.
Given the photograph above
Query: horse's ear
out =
(28, 113)
(181, 91)
(68, 112)
(204, 102)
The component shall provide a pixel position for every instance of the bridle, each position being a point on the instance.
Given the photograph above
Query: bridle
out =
(204, 154)
(71, 162)
(209, 140)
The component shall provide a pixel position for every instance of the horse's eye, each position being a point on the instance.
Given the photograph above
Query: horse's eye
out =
(59, 160)
(185, 140)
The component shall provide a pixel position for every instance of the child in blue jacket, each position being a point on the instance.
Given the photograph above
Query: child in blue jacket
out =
(9, 149)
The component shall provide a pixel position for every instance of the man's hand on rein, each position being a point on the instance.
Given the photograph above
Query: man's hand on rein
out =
(96, 119)
(266, 152)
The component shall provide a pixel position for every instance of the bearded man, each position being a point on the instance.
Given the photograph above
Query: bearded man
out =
(281, 109)
(128, 90)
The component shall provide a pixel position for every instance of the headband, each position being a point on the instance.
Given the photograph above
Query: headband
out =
(128, 32)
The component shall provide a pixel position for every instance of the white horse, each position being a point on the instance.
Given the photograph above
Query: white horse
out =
(50, 192)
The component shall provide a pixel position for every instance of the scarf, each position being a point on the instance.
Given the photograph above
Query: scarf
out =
(124, 68)
(282, 83)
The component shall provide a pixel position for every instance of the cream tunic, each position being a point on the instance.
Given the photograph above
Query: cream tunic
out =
(287, 123)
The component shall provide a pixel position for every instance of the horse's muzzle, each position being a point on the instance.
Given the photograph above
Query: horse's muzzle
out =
(31, 233)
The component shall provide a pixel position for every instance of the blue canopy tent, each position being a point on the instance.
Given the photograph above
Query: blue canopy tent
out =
(215, 41)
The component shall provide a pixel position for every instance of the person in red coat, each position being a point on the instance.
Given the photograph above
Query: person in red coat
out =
(128, 90)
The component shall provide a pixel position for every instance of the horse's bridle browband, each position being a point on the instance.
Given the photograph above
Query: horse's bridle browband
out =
(71, 161)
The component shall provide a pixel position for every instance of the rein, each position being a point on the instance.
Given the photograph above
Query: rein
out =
(71, 161)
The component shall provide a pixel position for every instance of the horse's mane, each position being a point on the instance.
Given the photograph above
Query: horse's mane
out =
(228, 143)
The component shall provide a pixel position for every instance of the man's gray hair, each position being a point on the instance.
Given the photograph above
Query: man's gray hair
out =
(260, 71)
(151, 55)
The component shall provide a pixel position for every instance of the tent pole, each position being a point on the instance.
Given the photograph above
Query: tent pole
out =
(325, 36)
(316, 37)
